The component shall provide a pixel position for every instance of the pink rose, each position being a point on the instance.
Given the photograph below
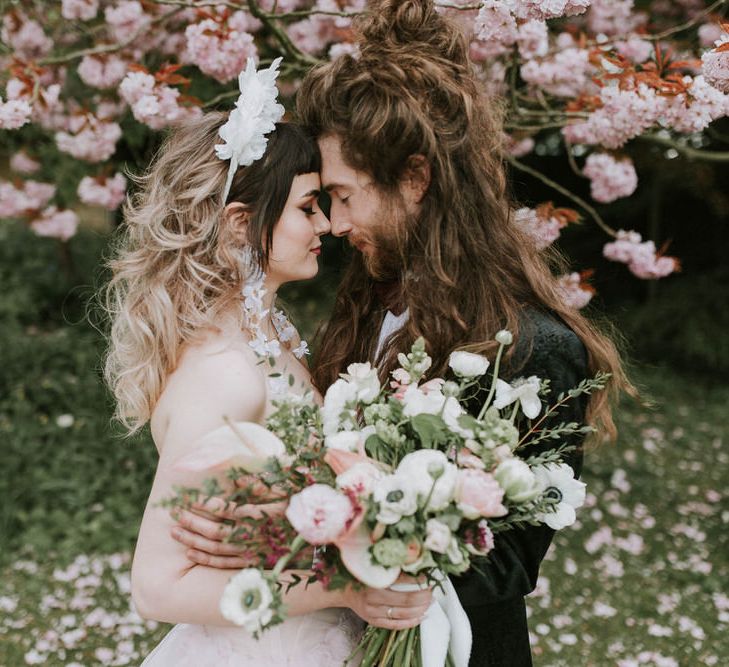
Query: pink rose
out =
(320, 514)
(478, 494)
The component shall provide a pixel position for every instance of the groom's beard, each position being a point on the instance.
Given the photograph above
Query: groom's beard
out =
(383, 259)
(383, 254)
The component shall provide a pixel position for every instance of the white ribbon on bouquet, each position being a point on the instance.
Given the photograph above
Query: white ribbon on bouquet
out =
(445, 628)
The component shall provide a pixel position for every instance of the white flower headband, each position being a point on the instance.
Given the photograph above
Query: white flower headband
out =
(255, 114)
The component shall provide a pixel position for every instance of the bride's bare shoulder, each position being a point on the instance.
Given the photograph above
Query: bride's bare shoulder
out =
(216, 378)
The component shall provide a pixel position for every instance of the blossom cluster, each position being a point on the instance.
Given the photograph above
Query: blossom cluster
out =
(610, 179)
(153, 102)
(102, 191)
(55, 223)
(79, 10)
(14, 114)
(102, 71)
(573, 289)
(221, 44)
(543, 223)
(641, 256)
(89, 138)
(18, 200)
(715, 64)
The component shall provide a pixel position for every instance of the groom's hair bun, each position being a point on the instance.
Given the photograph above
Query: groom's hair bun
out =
(410, 26)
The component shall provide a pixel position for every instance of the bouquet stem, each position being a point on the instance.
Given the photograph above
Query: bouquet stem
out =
(390, 648)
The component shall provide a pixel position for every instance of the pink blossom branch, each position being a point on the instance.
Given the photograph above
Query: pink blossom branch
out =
(563, 191)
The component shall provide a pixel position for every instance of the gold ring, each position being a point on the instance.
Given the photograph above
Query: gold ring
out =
(389, 612)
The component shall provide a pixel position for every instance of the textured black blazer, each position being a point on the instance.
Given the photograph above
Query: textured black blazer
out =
(494, 598)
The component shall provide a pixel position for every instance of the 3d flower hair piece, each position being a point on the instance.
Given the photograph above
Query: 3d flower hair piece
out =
(255, 115)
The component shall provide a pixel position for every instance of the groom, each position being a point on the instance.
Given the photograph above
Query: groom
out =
(411, 161)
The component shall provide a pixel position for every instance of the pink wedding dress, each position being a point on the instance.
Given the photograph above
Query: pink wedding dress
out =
(324, 638)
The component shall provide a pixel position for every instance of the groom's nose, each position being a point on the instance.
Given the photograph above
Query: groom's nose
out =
(341, 226)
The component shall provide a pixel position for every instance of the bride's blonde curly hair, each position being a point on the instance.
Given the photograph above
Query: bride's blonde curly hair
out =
(175, 266)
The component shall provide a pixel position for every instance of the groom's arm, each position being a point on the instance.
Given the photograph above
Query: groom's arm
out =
(512, 567)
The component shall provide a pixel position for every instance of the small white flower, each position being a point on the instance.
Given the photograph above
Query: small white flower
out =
(557, 480)
(467, 364)
(518, 481)
(504, 337)
(247, 600)
(302, 350)
(432, 475)
(397, 497)
(437, 536)
(64, 421)
(524, 390)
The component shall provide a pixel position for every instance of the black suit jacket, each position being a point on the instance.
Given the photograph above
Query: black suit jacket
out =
(494, 598)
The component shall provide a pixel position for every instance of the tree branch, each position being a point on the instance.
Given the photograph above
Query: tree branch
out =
(564, 191)
(687, 151)
(108, 48)
(688, 24)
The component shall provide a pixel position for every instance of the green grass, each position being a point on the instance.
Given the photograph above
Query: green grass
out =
(638, 580)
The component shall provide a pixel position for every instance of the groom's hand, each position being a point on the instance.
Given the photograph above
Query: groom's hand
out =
(206, 528)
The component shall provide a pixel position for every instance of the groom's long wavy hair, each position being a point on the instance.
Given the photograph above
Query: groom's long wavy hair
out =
(467, 270)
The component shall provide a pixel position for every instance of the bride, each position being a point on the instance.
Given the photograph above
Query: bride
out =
(216, 228)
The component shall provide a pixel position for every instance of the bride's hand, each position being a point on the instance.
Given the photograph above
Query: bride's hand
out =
(206, 527)
(389, 609)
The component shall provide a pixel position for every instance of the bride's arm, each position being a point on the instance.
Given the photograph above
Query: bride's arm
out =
(165, 585)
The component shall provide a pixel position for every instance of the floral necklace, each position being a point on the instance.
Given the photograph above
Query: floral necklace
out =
(253, 294)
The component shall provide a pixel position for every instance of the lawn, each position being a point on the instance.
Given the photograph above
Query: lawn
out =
(640, 579)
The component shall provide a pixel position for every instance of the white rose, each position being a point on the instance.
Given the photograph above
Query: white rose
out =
(338, 395)
(517, 480)
(365, 380)
(432, 475)
(247, 600)
(397, 497)
(437, 536)
(467, 364)
(348, 441)
(417, 402)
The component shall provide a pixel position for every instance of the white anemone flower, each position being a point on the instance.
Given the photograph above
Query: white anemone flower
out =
(396, 496)
(557, 480)
(524, 390)
(247, 601)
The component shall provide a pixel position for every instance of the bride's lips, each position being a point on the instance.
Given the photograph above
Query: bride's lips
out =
(316, 251)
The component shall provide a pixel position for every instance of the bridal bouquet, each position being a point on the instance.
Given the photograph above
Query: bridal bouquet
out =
(399, 479)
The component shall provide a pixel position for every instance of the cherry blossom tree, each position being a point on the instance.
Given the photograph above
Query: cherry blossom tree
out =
(83, 77)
